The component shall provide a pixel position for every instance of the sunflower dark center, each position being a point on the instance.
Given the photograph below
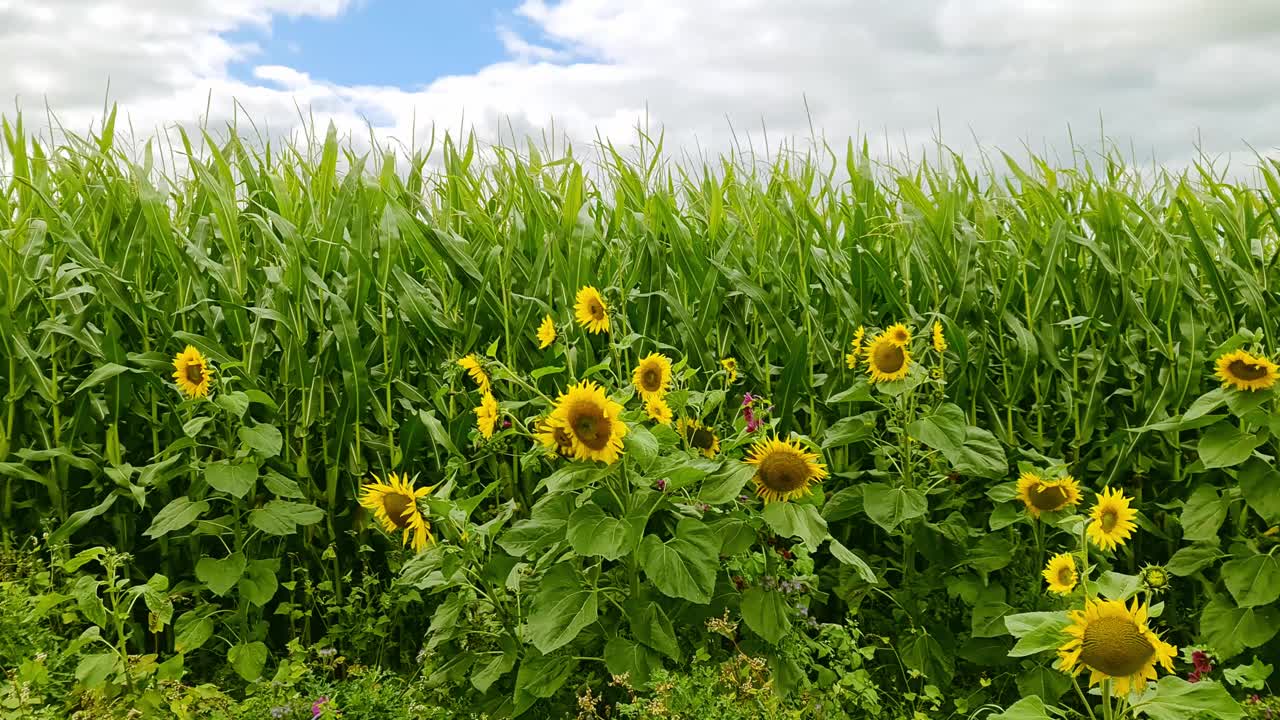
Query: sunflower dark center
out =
(1114, 646)
(701, 438)
(888, 358)
(395, 505)
(590, 425)
(783, 472)
(194, 373)
(1066, 575)
(564, 443)
(900, 336)
(1246, 370)
(596, 309)
(651, 379)
(1110, 518)
(1047, 497)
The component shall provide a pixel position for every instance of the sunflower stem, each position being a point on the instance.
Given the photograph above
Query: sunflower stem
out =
(1075, 682)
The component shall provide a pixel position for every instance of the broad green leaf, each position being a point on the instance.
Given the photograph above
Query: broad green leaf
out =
(684, 566)
(765, 612)
(1043, 682)
(282, 486)
(593, 533)
(234, 478)
(488, 673)
(546, 526)
(282, 517)
(1206, 404)
(1254, 580)
(790, 520)
(93, 670)
(1260, 484)
(849, 430)
(542, 675)
(178, 514)
(889, 506)
(248, 659)
(101, 374)
(943, 430)
(1036, 631)
(1177, 699)
(192, 629)
(1225, 445)
(726, 484)
(1229, 629)
(737, 533)
(640, 444)
(562, 606)
(1252, 676)
(988, 619)
(992, 553)
(651, 626)
(258, 584)
(630, 657)
(1192, 559)
(1028, 708)
(262, 439)
(850, 558)
(844, 504)
(923, 652)
(1203, 514)
(220, 575)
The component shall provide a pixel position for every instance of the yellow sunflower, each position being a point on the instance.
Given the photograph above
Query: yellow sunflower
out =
(1060, 573)
(784, 469)
(730, 366)
(1112, 520)
(590, 310)
(939, 340)
(1040, 495)
(699, 437)
(191, 372)
(855, 349)
(592, 421)
(487, 415)
(1245, 371)
(886, 359)
(471, 364)
(652, 376)
(1113, 641)
(554, 438)
(546, 333)
(395, 505)
(899, 334)
(658, 410)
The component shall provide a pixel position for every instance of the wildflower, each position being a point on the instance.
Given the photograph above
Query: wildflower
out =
(855, 349)
(191, 372)
(662, 484)
(317, 707)
(1200, 659)
(939, 340)
(730, 366)
(487, 415)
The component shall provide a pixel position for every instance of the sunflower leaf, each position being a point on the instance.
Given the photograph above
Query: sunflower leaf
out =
(797, 520)
(1177, 699)
(684, 566)
(1260, 484)
(562, 606)
(1226, 445)
(765, 612)
(1253, 581)
(1229, 629)
(231, 478)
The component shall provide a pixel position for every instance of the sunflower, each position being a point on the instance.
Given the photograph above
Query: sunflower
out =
(658, 410)
(1155, 578)
(730, 366)
(784, 469)
(471, 364)
(699, 437)
(554, 438)
(1245, 371)
(886, 359)
(1060, 573)
(592, 421)
(395, 505)
(191, 372)
(652, 376)
(899, 334)
(855, 348)
(1112, 520)
(590, 310)
(487, 415)
(1040, 495)
(1114, 642)
(546, 333)
(939, 340)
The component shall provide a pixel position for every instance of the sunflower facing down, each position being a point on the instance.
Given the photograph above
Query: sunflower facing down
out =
(191, 372)
(1113, 642)
(855, 348)
(592, 421)
(730, 366)
(395, 506)
(554, 438)
(784, 469)
(699, 437)
(1245, 371)
(1040, 495)
(939, 340)
(652, 376)
(899, 334)
(546, 333)
(1060, 574)
(658, 410)
(1112, 520)
(487, 415)
(590, 310)
(886, 359)
(471, 364)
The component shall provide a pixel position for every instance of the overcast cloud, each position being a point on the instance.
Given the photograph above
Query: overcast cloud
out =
(1162, 74)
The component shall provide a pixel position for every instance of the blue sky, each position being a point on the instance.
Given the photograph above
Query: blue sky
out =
(405, 43)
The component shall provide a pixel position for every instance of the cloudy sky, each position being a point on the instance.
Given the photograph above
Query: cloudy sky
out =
(1162, 76)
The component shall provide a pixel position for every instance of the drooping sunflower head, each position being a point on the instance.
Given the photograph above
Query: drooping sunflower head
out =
(658, 410)
(592, 421)
(554, 438)
(899, 334)
(475, 369)
(784, 469)
(1155, 578)
(1060, 574)
(546, 333)
(487, 415)
(1111, 520)
(1041, 496)
(1246, 371)
(395, 507)
(1113, 642)
(191, 372)
(730, 366)
(939, 340)
(590, 310)
(855, 348)
(887, 360)
(652, 376)
(699, 437)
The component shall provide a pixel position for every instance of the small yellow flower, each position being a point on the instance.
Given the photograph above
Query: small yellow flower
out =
(1245, 371)
(730, 366)
(658, 410)
(1112, 520)
(546, 333)
(487, 415)
(590, 310)
(887, 360)
(471, 364)
(699, 437)
(395, 506)
(939, 340)
(899, 334)
(652, 375)
(1060, 574)
(592, 421)
(855, 349)
(191, 372)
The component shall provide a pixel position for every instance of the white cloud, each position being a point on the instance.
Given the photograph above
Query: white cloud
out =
(1160, 73)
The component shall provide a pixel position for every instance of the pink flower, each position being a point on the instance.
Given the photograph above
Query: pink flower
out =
(746, 400)
(317, 707)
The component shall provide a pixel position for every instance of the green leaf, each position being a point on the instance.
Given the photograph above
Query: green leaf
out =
(258, 584)
(789, 519)
(1177, 699)
(236, 403)
(1225, 445)
(737, 533)
(630, 657)
(1206, 404)
(93, 670)
(221, 575)
(593, 533)
(231, 478)
(192, 629)
(282, 517)
(542, 675)
(546, 527)
(1252, 676)
(850, 558)
(178, 514)
(923, 652)
(262, 439)
(970, 450)
(1260, 484)
(684, 566)
(992, 553)
(1203, 514)
(248, 659)
(1192, 558)
(765, 612)
(987, 620)
(640, 444)
(1046, 683)
(1229, 629)
(101, 374)
(563, 605)
(489, 673)
(651, 626)
(889, 506)
(1036, 631)
(282, 486)
(1028, 708)
(575, 476)
(1253, 581)
(726, 484)
(844, 504)
(943, 430)
(849, 430)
